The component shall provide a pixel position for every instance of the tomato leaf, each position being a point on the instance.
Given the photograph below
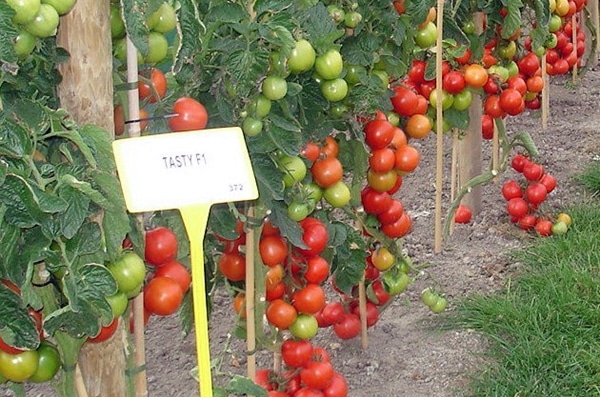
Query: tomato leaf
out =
(512, 20)
(88, 240)
(134, 15)
(290, 229)
(9, 244)
(26, 206)
(457, 118)
(241, 385)
(268, 177)
(14, 138)
(84, 287)
(8, 32)
(87, 189)
(320, 28)
(348, 264)
(190, 27)
(418, 10)
(17, 327)
(186, 313)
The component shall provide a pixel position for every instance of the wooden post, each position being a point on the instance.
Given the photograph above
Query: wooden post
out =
(439, 169)
(470, 146)
(87, 93)
(595, 16)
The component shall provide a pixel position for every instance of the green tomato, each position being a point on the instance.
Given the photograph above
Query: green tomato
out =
(427, 36)
(337, 195)
(158, 47)
(383, 76)
(313, 192)
(61, 6)
(469, 27)
(512, 67)
(18, 367)
(277, 64)
(393, 118)
(439, 306)
(305, 326)
(428, 297)
(129, 271)
(48, 363)
(252, 126)
(293, 168)
(338, 110)
(24, 43)
(337, 13)
(302, 57)
(395, 282)
(447, 99)
(559, 227)
(163, 20)
(274, 87)
(120, 51)
(260, 106)
(352, 19)
(117, 26)
(25, 10)
(354, 74)
(298, 211)
(551, 42)
(334, 90)
(555, 23)
(508, 50)
(118, 303)
(45, 22)
(329, 65)
(499, 71)
(462, 100)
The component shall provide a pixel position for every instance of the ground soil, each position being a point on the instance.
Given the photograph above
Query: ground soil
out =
(408, 354)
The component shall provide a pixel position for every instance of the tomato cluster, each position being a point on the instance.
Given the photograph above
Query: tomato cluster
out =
(36, 20)
(308, 372)
(524, 199)
(22, 365)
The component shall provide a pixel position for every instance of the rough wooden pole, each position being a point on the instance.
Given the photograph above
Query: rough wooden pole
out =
(439, 120)
(470, 146)
(87, 93)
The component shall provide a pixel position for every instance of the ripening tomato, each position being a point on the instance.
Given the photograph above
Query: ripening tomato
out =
(544, 227)
(281, 314)
(418, 126)
(475, 75)
(191, 115)
(327, 171)
(407, 158)
(381, 181)
(153, 86)
(105, 332)
(311, 151)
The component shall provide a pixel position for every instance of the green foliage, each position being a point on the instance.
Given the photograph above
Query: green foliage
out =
(57, 178)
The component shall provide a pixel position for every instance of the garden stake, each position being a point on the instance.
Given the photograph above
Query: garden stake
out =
(250, 296)
(545, 94)
(453, 169)
(439, 130)
(495, 147)
(362, 308)
(133, 102)
(574, 40)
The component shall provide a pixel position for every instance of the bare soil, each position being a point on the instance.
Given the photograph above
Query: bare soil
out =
(408, 354)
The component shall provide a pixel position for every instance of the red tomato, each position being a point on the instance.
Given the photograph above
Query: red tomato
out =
(511, 189)
(392, 213)
(317, 270)
(543, 227)
(162, 296)
(233, 266)
(311, 151)
(273, 250)
(463, 214)
(536, 193)
(529, 64)
(378, 133)
(398, 229)
(337, 388)
(382, 160)
(105, 332)
(375, 202)
(176, 271)
(517, 207)
(404, 101)
(315, 236)
(296, 353)
(191, 115)
(533, 171)
(453, 82)
(160, 246)
(518, 162)
(527, 222)
(317, 374)
(549, 181)
(372, 313)
(407, 158)
(333, 313)
(348, 328)
(309, 299)
(381, 295)
(487, 126)
(511, 101)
